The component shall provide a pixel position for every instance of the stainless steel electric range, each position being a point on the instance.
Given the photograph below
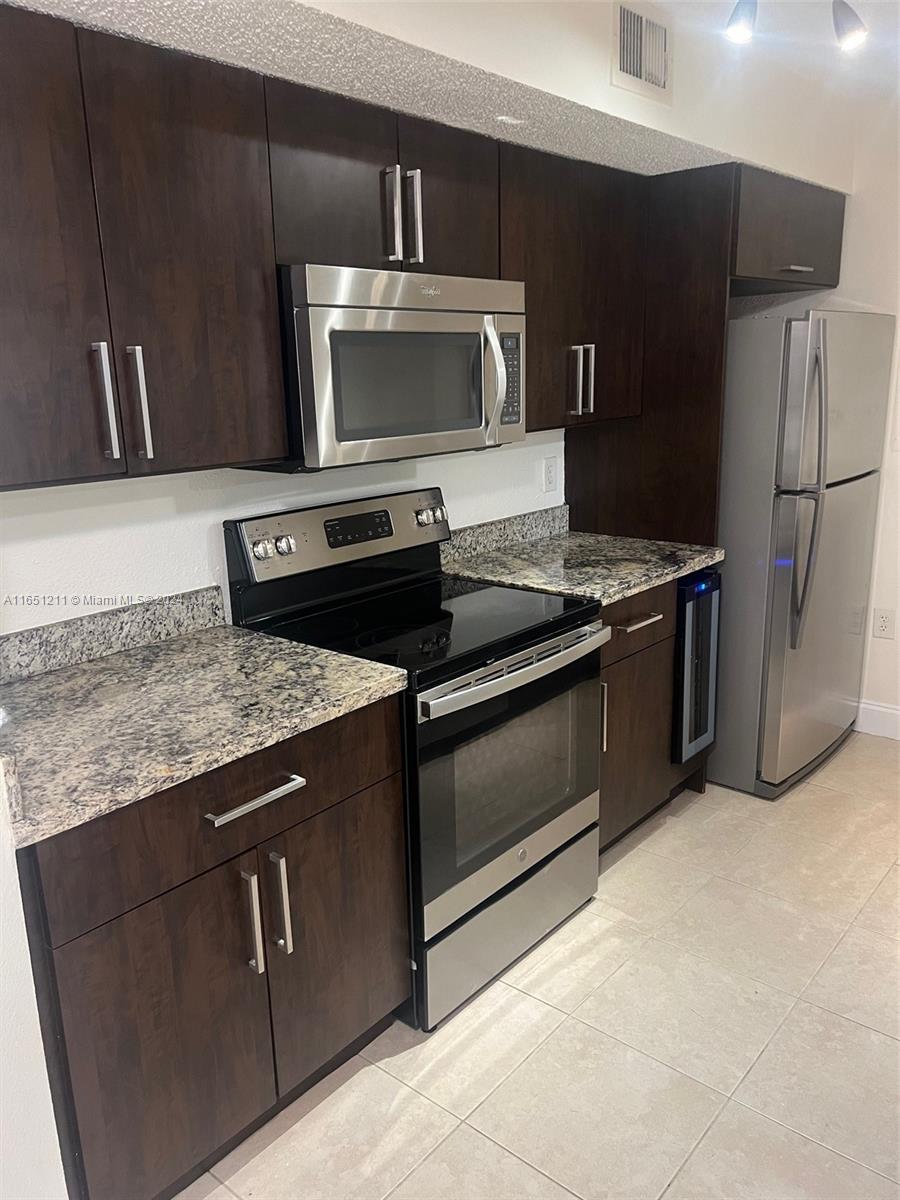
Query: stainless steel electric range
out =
(502, 718)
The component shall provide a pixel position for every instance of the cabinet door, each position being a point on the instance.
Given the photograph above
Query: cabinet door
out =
(460, 192)
(541, 243)
(341, 876)
(332, 200)
(167, 1033)
(635, 772)
(613, 256)
(178, 146)
(58, 412)
(788, 234)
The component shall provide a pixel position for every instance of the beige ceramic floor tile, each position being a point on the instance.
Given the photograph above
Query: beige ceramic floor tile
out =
(578, 957)
(464, 1060)
(597, 1116)
(865, 767)
(861, 979)
(740, 804)
(746, 1156)
(469, 1166)
(881, 912)
(687, 1012)
(833, 1081)
(207, 1187)
(841, 817)
(646, 889)
(823, 878)
(753, 934)
(354, 1135)
(694, 832)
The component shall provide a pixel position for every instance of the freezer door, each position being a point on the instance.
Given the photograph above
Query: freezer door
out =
(818, 598)
(837, 365)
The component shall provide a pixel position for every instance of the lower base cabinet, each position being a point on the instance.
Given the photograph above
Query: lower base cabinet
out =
(636, 770)
(184, 1020)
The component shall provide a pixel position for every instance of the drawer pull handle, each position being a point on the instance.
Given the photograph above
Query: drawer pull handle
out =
(604, 696)
(799, 268)
(640, 623)
(257, 963)
(285, 943)
(294, 784)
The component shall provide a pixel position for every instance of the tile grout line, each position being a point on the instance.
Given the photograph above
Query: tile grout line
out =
(690, 1153)
(565, 1187)
(421, 1161)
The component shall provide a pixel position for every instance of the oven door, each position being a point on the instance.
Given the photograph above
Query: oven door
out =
(508, 771)
(380, 384)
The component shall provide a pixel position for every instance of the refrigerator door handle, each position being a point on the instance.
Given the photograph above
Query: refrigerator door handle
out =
(822, 379)
(800, 607)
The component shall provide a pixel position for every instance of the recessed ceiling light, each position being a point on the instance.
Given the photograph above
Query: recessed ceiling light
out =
(505, 120)
(741, 22)
(849, 28)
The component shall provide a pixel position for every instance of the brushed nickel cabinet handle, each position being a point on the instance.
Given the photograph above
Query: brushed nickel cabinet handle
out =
(257, 963)
(394, 174)
(137, 353)
(102, 349)
(800, 269)
(579, 381)
(294, 784)
(416, 177)
(640, 623)
(592, 353)
(604, 696)
(285, 942)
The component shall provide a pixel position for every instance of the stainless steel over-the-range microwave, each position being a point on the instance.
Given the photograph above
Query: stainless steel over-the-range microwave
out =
(384, 365)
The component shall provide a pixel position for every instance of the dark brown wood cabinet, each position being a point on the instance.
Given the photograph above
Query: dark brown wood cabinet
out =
(573, 232)
(180, 163)
(167, 1032)
(635, 767)
(59, 417)
(787, 234)
(460, 189)
(341, 879)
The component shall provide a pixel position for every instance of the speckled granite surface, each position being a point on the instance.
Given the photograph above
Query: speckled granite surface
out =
(595, 565)
(28, 652)
(494, 535)
(82, 741)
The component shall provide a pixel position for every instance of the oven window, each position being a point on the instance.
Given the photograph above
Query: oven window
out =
(397, 384)
(491, 775)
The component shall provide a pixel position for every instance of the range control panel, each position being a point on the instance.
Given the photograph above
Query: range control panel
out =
(511, 345)
(307, 539)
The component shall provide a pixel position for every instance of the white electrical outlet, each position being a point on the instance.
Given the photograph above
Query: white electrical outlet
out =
(551, 474)
(883, 623)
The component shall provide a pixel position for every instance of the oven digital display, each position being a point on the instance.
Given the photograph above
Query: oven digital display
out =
(362, 527)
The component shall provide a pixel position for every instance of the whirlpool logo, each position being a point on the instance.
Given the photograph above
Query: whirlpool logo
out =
(430, 290)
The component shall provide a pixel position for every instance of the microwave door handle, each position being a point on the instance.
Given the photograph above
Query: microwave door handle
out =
(494, 355)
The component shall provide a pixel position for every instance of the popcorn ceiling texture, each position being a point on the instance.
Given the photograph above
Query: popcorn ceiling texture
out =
(292, 41)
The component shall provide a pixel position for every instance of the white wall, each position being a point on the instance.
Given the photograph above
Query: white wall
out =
(135, 537)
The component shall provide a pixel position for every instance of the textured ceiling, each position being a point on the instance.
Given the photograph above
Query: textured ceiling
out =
(293, 41)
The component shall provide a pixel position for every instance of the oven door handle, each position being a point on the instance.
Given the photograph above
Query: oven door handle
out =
(467, 697)
(492, 433)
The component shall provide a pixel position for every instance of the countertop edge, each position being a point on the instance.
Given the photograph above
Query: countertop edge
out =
(30, 832)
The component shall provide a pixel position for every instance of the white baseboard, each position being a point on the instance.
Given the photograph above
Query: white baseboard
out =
(881, 719)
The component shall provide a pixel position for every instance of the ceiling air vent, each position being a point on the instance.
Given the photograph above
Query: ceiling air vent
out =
(642, 52)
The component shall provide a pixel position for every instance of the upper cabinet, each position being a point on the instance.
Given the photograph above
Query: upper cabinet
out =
(356, 186)
(59, 416)
(787, 234)
(573, 232)
(178, 146)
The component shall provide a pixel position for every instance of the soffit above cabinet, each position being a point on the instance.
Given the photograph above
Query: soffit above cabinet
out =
(293, 41)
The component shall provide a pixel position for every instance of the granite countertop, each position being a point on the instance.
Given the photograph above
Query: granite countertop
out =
(594, 565)
(85, 740)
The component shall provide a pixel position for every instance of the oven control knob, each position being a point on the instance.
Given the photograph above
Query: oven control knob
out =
(439, 513)
(264, 548)
(523, 854)
(285, 544)
(425, 516)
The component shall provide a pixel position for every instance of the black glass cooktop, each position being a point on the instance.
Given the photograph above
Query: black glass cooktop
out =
(439, 623)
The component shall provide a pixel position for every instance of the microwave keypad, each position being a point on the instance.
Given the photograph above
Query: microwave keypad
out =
(362, 527)
(512, 405)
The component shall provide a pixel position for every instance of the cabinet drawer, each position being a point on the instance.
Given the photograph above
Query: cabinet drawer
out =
(99, 870)
(656, 607)
(787, 232)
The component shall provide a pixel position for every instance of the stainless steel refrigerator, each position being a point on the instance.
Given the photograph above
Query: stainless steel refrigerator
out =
(803, 435)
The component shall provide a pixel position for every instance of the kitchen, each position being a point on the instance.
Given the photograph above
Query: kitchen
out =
(181, 350)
